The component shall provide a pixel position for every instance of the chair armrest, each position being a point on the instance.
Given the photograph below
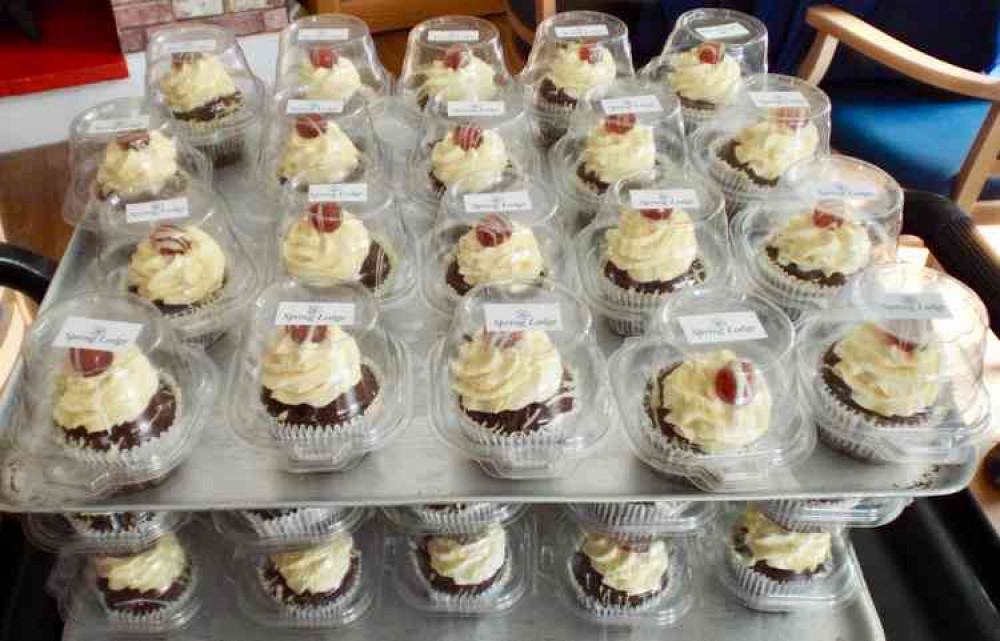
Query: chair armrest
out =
(879, 46)
(25, 271)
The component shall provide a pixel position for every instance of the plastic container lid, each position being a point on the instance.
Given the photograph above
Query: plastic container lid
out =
(644, 520)
(453, 518)
(278, 529)
(823, 514)
(100, 532)
(337, 333)
(556, 415)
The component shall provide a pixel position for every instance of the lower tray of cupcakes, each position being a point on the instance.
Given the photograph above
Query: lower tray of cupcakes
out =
(474, 570)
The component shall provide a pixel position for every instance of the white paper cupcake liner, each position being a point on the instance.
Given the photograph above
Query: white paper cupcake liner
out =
(631, 305)
(539, 449)
(475, 517)
(333, 612)
(595, 608)
(787, 288)
(464, 603)
(755, 587)
(630, 515)
(789, 514)
(169, 617)
(739, 189)
(145, 533)
(694, 118)
(301, 522)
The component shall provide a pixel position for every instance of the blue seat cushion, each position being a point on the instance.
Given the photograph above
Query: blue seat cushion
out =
(920, 137)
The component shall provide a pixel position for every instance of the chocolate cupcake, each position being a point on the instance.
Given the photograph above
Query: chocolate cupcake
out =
(703, 77)
(618, 147)
(467, 150)
(496, 249)
(758, 155)
(319, 151)
(330, 245)
(325, 74)
(463, 567)
(577, 68)
(316, 581)
(458, 75)
(114, 408)
(279, 523)
(612, 577)
(102, 525)
(147, 587)
(139, 166)
(315, 383)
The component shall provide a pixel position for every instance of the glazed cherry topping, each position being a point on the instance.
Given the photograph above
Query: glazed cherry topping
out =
(656, 214)
(493, 230)
(323, 57)
(907, 346)
(326, 218)
(504, 340)
(301, 333)
(591, 54)
(826, 220)
(170, 240)
(178, 60)
(468, 137)
(734, 383)
(90, 362)
(134, 140)
(710, 53)
(457, 56)
(310, 126)
(620, 124)
(792, 117)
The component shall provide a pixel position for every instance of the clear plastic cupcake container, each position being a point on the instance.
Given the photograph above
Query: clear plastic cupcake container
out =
(452, 518)
(122, 149)
(184, 255)
(832, 584)
(705, 59)
(657, 594)
(428, 573)
(573, 52)
(198, 76)
(660, 231)
(100, 532)
(331, 233)
(551, 418)
(80, 353)
(645, 519)
(452, 58)
(730, 355)
(812, 515)
(332, 57)
(285, 602)
(772, 123)
(892, 370)
(279, 528)
(841, 216)
(319, 382)
(493, 226)
(626, 128)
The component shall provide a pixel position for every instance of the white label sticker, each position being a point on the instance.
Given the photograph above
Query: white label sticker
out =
(190, 46)
(774, 99)
(116, 125)
(663, 198)
(723, 31)
(512, 317)
(501, 201)
(156, 210)
(94, 333)
(314, 35)
(582, 31)
(453, 35)
(722, 328)
(460, 108)
(339, 192)
(314, 107)
(923, 306)
(846, 190)
(631, 105)
(310, 313)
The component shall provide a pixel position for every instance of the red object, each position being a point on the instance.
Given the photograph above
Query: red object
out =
(493, 230)
(90, 362)
(468, 137)
(907, 346)
(620, 124)
(657, 214)
(79, 46)
(299, 333)
(734, 383)
(326, 218)
(170, 240)
(824, 219)
(710, 53)
(310, 126)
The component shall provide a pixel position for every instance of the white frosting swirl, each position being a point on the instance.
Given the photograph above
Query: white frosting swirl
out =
(323, 258)
(450, 163)
(468, 562)
(885, 378)
(798, 552)
(115, 396)
(153, 570)
(844, 248)
(317, 569)
(701, 416)
(339, 82)
(517, 257)
(652, 250)
(632, 571)
(178, 279)
(329, 157)
(576, 76)
(474, 81)
(612, 156)
(696, 80)
(196, 83)
(134, 172)
(311, 373)
(769, 148)
(493, 378)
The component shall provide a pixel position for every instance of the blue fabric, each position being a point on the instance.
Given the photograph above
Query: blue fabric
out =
(919, 137)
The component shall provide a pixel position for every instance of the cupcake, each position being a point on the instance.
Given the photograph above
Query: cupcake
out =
(113, 407)
(467, 150)
(618, 147)
(148, 586)
(320, 151)
(315, 581)
(710, 403)
(180, 269)
(637, 513)
(454, 516)
(496, 249)
(200, 92)
(100, 525)
(463, 567)
(316, 383)
(279, 523)
(329, 244)
(327, 75)
(758, 155)
(458, 75)
(703, 77)
(612, 577)
(139, 166)
(576, 69)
